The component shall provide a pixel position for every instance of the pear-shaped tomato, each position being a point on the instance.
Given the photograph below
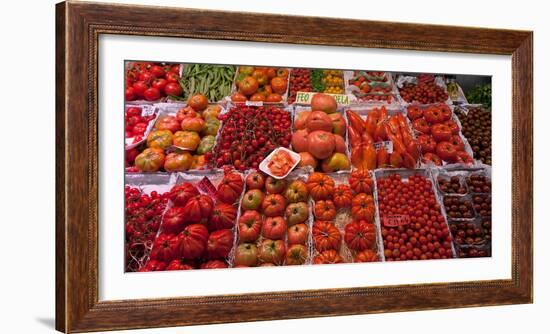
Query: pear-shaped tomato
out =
(159, 139)
(187, 140)
(178, 162)
(150, 160)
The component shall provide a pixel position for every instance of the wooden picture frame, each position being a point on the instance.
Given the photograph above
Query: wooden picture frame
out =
(78, 26)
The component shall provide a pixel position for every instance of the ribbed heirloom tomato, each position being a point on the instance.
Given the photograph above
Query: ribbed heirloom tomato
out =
(325, 236)
(320, 186)
(359, 235)
(150, 160)
(250, 225)
(330, 256)
(230, 188)
(219, 244)
(198, 209)
(181, 193)
(368, 255)
(361, 182)
(223, 217)
(192, 241)
(362, 207)
(325, 210)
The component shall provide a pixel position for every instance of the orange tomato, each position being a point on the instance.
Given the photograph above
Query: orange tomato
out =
(278, 85)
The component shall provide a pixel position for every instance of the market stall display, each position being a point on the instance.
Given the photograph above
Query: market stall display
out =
(234, 172)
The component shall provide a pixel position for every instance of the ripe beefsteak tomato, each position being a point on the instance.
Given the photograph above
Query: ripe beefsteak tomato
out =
(169, 123)
(320, 186)
(359, 235)
(178, 264)
(173, 220)
(181, 193)
(198, 209)
(165, 248)
(246, 255)
(362, 207)
(150, 160)
(296, 192)
(368, 255)
(250, 225)
(296, 255)
(325, 236)
(273, 205)
(223, 217)
(274, 186)
(328, 257)
(219, 244)
(325, 210)
(321, 144)
(297, 234)
(192, 241)
(274, 228)
(159, 139)
(361, 182)
(230, 188)
(255, 180)
(272, 251)
(214, 264)
(296, 213)
(342, 196)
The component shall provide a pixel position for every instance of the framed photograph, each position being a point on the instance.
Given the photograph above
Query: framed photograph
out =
(211, 169)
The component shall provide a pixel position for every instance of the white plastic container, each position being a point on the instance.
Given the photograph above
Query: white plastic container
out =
(264, 164)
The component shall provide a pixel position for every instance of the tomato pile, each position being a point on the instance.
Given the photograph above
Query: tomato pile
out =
(151, 81)
(425, 91)
(249, 134)
(196, 230)
(319, 136)
(413, 226)
(300, 81)
(142, 220)
(273, 226)
(333, 205)
(180, 140)
(136, 124)
(261, 84)
(438, 135)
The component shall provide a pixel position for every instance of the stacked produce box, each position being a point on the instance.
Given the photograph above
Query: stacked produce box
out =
(243, 166)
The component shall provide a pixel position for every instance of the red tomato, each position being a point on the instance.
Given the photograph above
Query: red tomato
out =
(248, 85)
(159, 84)
(129, 94)
(427, 143)
(457, 142)
(441, 132)
(452, 125)
(431, 157)
(172, 77)
(173, 88)
(238, 97)
(133, 111)
(421, 125)
(446, 151)
(157, 71)
(151, 94)
(139, 88)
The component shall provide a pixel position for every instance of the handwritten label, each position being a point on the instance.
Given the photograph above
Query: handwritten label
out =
(147, 111)
(206, 186)
(254, 103)
(305, 98)
(395, 220)
(388, 145)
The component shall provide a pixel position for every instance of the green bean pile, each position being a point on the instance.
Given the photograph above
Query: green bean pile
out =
(213, 81)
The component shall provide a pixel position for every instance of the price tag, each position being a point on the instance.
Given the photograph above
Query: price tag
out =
(388, 145)
(305, 98)
(147, 110)
(395, 220)
(206, 186)
(254, 103)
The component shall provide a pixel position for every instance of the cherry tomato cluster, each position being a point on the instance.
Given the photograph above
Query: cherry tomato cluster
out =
(454, 185)
(300, 81)
(438, 134)
(425, 91)
(142, 220)
(467, 233)
(458, 207)
(249, 134)
(151, 81)
(136, 124)
(413, 227)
